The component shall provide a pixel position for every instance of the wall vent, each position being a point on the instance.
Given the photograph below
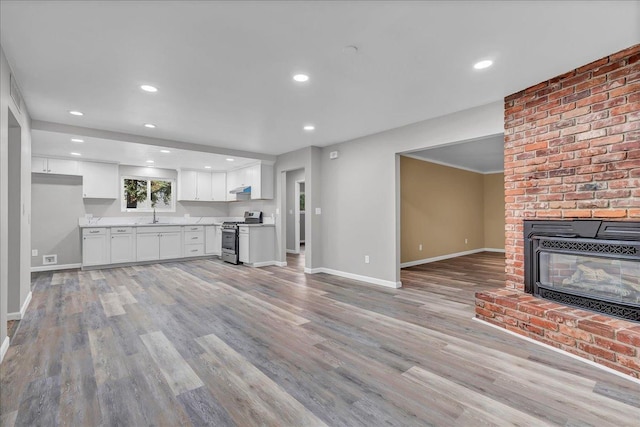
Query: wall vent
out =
(49, 259)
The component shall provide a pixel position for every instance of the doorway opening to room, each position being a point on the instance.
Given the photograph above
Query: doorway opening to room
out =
(14, 214)
(452, 229)
(296, 219)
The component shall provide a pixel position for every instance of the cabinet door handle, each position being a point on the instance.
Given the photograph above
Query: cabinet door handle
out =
(194, 238)
(94, 231)
(194, 250)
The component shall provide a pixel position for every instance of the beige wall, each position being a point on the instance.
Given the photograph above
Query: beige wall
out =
(442, 206)
(494, 211)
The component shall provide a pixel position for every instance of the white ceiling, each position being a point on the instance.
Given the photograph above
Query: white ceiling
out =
(53, 144)
(485, 155)
(224, 68)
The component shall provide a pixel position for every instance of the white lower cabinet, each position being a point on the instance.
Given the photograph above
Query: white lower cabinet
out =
(257, 245)
(126, 244)
(122, 245)
(213, 240)
(244, 244)
(170, 245)
(147, 246)
(153, 243)
(95, 246)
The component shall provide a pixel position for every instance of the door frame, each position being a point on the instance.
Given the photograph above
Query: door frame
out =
(296, 214)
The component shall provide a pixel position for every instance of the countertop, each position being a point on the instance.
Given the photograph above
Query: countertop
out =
(163, 221)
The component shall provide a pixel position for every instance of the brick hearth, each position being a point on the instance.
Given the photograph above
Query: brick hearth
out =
(572, 150)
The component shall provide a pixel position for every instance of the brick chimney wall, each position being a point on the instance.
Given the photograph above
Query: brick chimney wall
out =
(572, 150)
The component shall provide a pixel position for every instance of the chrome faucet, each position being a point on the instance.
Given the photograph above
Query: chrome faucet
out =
(155, 220)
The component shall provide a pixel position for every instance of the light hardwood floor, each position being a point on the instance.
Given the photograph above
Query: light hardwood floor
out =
(207, 343)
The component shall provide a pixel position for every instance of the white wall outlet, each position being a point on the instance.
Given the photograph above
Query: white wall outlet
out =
(420, 247)
(466, 241)
(333, 155)
(34, 252)
(366, 259)
(49, 259)
(318, 211)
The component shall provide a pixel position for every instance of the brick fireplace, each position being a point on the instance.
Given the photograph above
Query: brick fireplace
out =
(572, 151)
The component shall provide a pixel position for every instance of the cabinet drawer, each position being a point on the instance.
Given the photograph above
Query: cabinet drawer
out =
(93, 231)
(193, 250)
(243, 230)
(193, 228)
(121, 230)
(191, 237)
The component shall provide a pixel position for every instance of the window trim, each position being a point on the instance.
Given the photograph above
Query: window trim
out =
(123, 199)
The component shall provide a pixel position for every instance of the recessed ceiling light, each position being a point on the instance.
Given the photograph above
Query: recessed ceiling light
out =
(150, 161)
(76, 154)
(149, 125)
(165, 151)
(483, 64)
(231, 160)
(301, 77)
(309, 128)
(149, 88)
(76, 113)
(77, 140)
(207, 167)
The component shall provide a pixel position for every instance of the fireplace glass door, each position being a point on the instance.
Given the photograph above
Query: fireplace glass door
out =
(616, 280)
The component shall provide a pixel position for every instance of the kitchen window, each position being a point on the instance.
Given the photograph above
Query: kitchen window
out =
(146, 194)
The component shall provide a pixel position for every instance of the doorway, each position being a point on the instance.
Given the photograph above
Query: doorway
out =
(14, 214)
(299, 216)
(295, 218)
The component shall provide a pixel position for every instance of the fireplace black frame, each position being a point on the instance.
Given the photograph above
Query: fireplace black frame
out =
(598, 238)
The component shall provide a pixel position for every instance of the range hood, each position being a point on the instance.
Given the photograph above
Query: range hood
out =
(241, 190)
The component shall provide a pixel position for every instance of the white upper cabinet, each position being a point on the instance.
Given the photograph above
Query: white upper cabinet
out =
(203, 186)
(262, 181)
(54, 166)
(258, 176)
(187, 184)
(218, 186)
(194, 186)
(99, 180)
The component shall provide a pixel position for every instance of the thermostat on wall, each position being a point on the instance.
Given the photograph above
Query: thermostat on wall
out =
(333, 155)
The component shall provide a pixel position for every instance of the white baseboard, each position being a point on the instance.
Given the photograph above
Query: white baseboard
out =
(292, 251)
(19, 315)
(375, 281)
(262, 264)
(557, 350)
(494, 250)
(447, 256)
(55, 267)
(281, 263)
(4, 348)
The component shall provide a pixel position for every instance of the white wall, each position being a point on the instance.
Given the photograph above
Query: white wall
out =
(360, 190)
(22, 222)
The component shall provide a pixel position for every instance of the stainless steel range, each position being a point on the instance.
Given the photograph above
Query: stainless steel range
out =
(230, 236)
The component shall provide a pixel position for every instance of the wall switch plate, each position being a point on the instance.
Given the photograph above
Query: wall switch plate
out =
(420, 247)
(466, 241)
(34, 252)
(366, 259)
(318, 211)
(333, 155)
